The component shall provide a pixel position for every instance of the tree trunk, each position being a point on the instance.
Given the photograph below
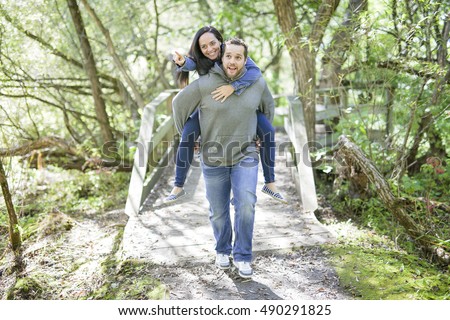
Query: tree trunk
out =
(91, 70)
(302, 59)
(14, 234)
(425, 122)
(302, 53)
(350, 155)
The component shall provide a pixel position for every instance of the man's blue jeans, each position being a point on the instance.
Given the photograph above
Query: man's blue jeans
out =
(240, 178)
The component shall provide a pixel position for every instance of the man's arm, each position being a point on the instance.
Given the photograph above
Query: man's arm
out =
(185, 103)
(267, 105)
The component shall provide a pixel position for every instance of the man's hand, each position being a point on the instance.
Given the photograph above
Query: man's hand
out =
(178, 59)
(223, 92)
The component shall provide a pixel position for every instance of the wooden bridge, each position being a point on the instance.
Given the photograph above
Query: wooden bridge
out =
(171, 233)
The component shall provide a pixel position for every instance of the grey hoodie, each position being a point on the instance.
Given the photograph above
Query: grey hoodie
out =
(228, 129)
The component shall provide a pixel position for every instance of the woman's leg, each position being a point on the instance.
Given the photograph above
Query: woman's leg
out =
(266, 133)
(185, 153)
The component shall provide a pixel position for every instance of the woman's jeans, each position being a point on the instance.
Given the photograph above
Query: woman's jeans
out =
(240, 178)
(191, 132)
(185, 152)
(266, 134)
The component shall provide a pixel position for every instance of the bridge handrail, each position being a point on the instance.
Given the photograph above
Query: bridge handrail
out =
(148, 140)
(302, 173)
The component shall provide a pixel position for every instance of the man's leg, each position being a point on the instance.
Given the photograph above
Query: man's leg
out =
(218, 189)
(244, 177)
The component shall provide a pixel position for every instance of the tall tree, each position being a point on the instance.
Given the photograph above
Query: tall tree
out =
(91, 70)
(302, 51)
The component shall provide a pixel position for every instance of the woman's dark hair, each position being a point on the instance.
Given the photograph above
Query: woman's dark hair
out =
(196, 54)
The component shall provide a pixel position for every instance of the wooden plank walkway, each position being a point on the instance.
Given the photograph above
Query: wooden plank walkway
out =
(169, 234)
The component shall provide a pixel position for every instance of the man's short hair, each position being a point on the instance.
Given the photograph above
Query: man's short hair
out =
(238, 42)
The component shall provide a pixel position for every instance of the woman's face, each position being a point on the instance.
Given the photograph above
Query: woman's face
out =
(209, 45)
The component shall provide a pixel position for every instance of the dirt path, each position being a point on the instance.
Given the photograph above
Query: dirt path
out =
(301, 275)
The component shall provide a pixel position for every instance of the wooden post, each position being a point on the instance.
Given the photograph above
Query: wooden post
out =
(304, 175)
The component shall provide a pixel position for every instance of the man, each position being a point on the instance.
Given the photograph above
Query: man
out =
(229, 158)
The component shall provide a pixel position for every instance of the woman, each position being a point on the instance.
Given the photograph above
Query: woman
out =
(205, 50)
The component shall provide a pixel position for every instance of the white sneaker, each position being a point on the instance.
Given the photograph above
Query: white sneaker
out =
(244, 268)
(222, 261)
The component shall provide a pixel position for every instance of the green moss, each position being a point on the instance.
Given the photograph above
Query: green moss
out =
(27, 288)
(378, 273)
(130, 280)
(375, 258)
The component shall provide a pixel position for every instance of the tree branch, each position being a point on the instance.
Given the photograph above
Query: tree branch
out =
(19, 96)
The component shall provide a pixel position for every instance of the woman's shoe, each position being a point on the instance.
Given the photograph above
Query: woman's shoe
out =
(275, 195)
(174, 197)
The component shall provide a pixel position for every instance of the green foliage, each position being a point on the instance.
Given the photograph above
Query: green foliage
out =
(428, 191)
(375, 260)
(431, 182)
(371, 213)
(91, 191)
(398, 52)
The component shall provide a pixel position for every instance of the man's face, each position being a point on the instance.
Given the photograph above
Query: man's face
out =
(233, 60)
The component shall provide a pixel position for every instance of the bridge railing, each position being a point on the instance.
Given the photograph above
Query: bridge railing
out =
(369, 102)
(154, 148)
(302, 172)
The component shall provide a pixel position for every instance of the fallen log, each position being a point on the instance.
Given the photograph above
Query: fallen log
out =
(349, 154)
(57, 151)
(41, 158)
(44, 142)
